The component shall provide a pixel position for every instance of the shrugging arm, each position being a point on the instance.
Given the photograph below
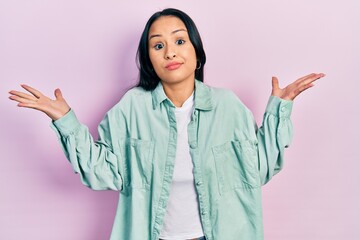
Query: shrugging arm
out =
(95, 161)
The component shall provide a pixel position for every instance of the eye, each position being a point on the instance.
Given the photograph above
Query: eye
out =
(158, 46)
(180, 42)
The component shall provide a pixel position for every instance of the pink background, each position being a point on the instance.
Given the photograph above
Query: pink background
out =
(87, 48)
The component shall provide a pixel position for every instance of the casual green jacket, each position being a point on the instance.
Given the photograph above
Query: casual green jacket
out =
(136, 150)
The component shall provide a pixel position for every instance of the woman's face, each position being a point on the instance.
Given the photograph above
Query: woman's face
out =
(171, 52)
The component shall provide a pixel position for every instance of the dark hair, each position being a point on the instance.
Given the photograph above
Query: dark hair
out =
(148, 79)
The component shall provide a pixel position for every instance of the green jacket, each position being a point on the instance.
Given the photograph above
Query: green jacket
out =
(136, 150)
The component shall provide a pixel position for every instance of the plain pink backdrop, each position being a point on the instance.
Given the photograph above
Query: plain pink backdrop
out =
(87, 48)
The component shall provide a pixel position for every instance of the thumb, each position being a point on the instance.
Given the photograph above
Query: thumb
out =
(58, 94)
(275, 83)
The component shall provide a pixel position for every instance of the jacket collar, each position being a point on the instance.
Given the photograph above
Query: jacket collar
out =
(203, 97)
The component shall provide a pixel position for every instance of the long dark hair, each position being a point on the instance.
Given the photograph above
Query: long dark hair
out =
(148, 79)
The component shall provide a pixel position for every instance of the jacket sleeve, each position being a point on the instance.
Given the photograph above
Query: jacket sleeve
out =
(273, 137)
(95, 161)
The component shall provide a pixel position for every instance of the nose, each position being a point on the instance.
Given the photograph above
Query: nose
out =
(170, 53)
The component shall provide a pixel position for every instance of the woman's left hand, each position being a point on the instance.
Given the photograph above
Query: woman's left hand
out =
(291, 91)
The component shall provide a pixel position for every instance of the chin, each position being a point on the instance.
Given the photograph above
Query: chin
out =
(178, 78)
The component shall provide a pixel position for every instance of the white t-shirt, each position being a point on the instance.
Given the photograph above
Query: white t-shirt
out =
(182, 218)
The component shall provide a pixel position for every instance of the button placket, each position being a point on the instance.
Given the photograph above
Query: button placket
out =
(169, 168)
(194, 150)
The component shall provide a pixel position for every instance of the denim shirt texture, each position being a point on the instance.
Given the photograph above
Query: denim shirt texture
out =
(136, 149)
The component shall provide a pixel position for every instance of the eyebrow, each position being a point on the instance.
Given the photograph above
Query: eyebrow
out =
(173, 32)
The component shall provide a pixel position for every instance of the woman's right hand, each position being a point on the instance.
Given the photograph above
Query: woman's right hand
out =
(55, 109)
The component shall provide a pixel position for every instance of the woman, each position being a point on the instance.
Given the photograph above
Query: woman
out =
(188, 159)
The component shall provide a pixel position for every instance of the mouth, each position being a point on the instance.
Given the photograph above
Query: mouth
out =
(173, 65)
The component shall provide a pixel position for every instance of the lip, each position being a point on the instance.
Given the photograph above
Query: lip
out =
(173, 65)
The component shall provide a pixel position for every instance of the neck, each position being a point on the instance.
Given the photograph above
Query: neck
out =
(180, 92)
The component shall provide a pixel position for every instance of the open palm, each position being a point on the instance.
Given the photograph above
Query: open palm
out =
(294, 89)
(55, 109)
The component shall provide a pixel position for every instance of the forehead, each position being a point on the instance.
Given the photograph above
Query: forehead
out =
(166, 24)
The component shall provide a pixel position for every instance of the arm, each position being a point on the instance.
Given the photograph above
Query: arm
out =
(94, 161)
(273, 137)
(275, 134)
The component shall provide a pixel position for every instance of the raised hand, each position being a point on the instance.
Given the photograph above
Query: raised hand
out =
(55, 109)
(291, 91)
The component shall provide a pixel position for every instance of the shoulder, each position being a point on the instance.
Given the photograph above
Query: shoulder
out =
(133, 99)
(135, 92)
(227, 101)
(224, 95)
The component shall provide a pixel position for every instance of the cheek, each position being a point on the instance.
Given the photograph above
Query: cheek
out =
(191, 54)
(156, 63)
(192, 57)
(154, 59)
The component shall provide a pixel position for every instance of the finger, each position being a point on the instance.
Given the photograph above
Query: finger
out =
(305, 77)
(23, 95)
(33, 91)
(311, 76)
(275, 83)
(20, 99)
(58, 94)
(303, 88)
(311, 79)
(29, 105)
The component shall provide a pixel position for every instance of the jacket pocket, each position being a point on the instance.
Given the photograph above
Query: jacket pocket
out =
(236, 163)
(137, 163)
